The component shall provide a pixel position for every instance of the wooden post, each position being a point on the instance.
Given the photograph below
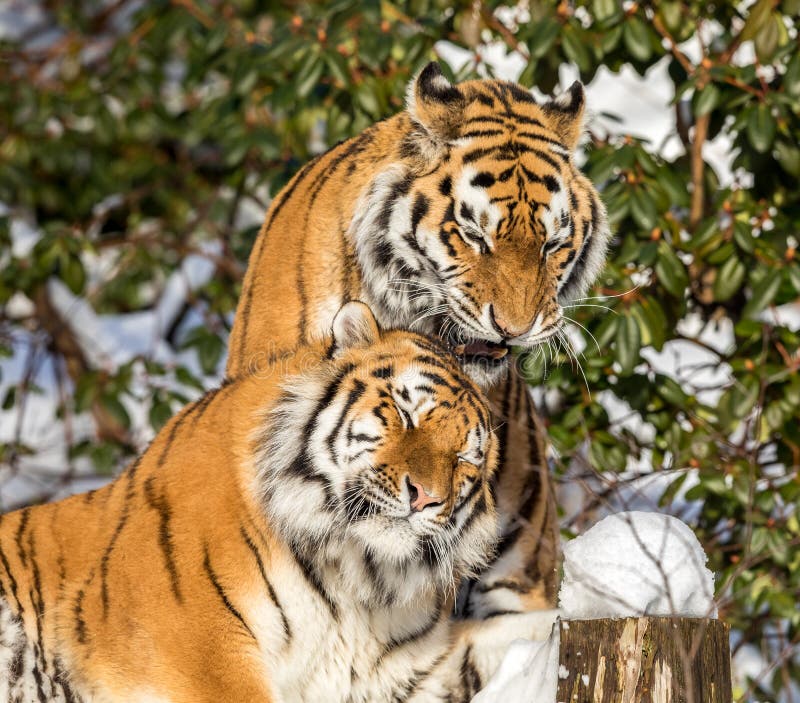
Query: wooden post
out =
(644, 660)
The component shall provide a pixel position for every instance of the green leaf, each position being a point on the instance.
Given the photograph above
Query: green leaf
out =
(575, 48)
(73, 274)
(705, 100)
(209, 352)
(103, 457)
(628, 344)
(10, 398)
(788, 156)
(757, 17)
(606, 9)
(160, 413)
(671, 271)
(761, 127)
(671, 392)
(183, 375)
(743, 236)
(794, 277)
(744, 396)
(542, 37)
(337, 65)
(730, 277)
(643, 209)
(791, 79)
(764, 293)
(116, 409)
(606, 330)
(309, 75)
(636, 36)
(672, 12)
(768, 38)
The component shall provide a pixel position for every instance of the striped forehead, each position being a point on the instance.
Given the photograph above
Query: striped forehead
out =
(426, 381)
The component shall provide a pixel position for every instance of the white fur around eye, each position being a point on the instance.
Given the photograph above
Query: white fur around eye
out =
(477, 199)
(364, 429)
(553, 212)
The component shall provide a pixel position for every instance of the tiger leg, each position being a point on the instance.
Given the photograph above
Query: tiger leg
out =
(524, 573)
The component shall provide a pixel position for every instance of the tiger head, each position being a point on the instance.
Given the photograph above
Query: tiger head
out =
(380, 457)
(483, 227)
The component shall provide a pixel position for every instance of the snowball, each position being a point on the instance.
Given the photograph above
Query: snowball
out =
(633, 564)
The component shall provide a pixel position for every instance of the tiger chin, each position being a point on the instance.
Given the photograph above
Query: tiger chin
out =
(294, 535)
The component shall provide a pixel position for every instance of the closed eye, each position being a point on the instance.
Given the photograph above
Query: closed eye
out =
(553, 245)
(471, 235)
(466, 491)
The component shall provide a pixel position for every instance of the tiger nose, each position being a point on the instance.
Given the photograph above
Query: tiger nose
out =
(420, 498)
(507, 329)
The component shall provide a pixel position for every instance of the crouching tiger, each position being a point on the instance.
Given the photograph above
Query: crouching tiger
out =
(295, 535)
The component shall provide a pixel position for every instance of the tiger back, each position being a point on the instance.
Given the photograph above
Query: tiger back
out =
(294, 535)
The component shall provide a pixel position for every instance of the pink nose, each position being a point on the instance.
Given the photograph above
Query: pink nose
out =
(507, 329)
(419, 498)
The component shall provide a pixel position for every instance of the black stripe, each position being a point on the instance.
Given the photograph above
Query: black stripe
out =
(123, 519)
(519, 93)
(212, 576)
(483, 133)
(384, 595)
(485, 118)
(254, 263)
(77, 610)
(418, 211)
(161, 505)
(524, 119)
(37, 601)
(310, 574)
(470, 677)
(483, 98)
(23, 523)
(349, 149)
(418, 634)
(176, 425)
(11, 580)
(502, 435)
(208, 398)
(542, 138)
(417, 678)
(287, 630)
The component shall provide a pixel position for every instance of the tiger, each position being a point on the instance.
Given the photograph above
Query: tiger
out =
(295, 535)
(464, 216)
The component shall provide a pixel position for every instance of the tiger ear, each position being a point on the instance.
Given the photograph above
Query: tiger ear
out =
(354, 327)
(436, 104)
(565, 114)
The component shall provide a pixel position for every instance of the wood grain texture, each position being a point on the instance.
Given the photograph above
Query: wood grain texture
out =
(644, 660)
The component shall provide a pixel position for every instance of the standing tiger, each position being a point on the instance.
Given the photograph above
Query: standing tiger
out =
(465, 217)
(295, 535)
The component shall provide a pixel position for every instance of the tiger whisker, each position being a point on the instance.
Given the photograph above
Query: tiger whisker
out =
(607, 297)
(594, 339)
(588, 305)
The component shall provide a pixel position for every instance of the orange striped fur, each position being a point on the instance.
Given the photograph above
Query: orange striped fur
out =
(294, 535)
(465, 217)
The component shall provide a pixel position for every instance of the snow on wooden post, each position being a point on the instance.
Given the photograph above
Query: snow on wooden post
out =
(644, 660)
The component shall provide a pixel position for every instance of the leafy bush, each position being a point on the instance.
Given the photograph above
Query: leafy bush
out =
(140, 144)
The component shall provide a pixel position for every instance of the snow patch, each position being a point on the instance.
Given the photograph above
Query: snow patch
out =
(627, 565)
(634, 564)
